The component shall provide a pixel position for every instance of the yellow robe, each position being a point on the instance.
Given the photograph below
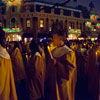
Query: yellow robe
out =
(66, 59)
(18, 65)
(7, 85)
(36, 77)
(93, 65)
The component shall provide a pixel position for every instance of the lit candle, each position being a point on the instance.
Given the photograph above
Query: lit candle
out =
(50, 52)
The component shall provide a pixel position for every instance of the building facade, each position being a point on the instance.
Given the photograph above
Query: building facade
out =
(38, 17)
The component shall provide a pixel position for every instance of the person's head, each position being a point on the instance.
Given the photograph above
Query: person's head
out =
(58, 37)
(14, 44)
(33, 47)
(2, 37)
(11, 45)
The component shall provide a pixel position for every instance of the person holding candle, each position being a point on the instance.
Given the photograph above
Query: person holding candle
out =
(61, 70)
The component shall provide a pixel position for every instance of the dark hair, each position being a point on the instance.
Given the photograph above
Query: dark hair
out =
(60, 33)
(16, 44)
(2, 37)
(34, 47)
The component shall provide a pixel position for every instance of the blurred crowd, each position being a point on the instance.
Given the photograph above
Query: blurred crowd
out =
(55, 70)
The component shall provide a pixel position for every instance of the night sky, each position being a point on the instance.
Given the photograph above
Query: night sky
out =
(80, 2)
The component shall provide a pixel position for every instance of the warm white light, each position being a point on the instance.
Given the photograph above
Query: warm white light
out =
(41, 23)
(28, 23)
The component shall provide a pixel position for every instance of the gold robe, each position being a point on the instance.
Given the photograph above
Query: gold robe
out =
(66, 73)
(18, 65)
(7, 85)
(93, 65)
(36, 77)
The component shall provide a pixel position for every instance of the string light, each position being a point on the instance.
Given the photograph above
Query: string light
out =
(98, 25)
(13, 30)
(9, 3)
(88, 24)
(93, 17)
(77, 31)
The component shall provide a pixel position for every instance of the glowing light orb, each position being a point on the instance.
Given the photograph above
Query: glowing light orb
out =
(12, 2)
(88, 24)
(93, 17)
(98, 25)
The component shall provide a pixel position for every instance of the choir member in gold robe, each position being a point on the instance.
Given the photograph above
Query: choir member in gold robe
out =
(36, 74)
(7, 85)
(93, 65)
(62, 70)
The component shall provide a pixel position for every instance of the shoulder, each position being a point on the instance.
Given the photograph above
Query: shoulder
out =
(37, 54)
(61, 51)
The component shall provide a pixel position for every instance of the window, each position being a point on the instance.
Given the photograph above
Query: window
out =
(28, 23)
(3, 11)
(41, 23)
(84, 26)
(72, 24)
(57, 11)
(4, 22)
(13, 9)
(38, 8)
(67, 12)
(77, 14)
(0, 23)
(47, 9)
(13, 22)
(32, 8)
(77, 25)
(81, 26)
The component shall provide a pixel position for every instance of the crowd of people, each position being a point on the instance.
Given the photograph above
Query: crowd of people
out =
(56, 70)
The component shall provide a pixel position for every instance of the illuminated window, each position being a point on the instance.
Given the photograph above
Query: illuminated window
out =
(0, 23)
(28, 23)
(41, 23)
(50, 28)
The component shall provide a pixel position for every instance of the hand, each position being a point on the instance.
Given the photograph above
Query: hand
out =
(54, 61)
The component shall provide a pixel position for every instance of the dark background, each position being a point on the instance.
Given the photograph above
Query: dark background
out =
(79, 2)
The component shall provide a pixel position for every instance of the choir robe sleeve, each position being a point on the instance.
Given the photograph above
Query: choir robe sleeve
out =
(63, 70)
(37, 74)
(65, 65)
(7, 85)
(71, 84)
(2, 76)
(66, 70)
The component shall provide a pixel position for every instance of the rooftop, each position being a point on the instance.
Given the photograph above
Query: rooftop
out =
(51, 4)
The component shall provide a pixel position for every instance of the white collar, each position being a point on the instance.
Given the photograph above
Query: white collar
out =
(37, 54)
(4, 53)
(60, 51)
